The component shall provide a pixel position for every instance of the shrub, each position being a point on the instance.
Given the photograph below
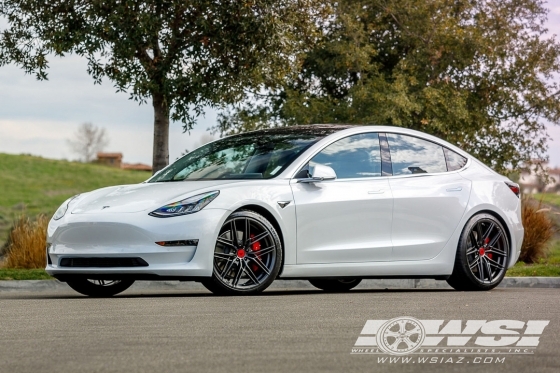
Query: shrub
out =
(26, 246)
(539, 229)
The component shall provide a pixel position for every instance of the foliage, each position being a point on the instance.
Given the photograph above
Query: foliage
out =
(87, 141)
(27, 242)
(183, 55)
(476, 73)
(539, 230)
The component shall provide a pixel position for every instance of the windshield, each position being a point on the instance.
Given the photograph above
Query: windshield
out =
(258, 155)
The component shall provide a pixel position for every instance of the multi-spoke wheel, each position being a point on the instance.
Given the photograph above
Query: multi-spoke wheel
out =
(336, 285)
(99, 288)
(482, 255)
(247, 256)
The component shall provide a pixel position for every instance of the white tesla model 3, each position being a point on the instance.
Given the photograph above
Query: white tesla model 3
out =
(333, 204)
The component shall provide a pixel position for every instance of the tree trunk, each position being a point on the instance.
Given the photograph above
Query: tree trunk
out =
(160, 157)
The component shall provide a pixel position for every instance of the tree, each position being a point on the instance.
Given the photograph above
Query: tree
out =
(88, 141)
(183, 55)
(476, 73)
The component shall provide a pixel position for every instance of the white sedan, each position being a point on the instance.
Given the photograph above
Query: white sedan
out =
(333, 204)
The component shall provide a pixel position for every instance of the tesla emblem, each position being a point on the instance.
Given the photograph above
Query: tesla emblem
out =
(105, 207)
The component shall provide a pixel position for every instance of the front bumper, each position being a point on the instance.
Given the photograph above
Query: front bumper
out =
(127, 235)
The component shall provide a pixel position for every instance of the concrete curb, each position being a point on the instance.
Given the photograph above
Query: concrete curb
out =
(426, 284)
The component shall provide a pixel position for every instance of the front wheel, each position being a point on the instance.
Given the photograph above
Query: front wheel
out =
(247, 256)
(482, 255)
(336, 285)
(100, 288)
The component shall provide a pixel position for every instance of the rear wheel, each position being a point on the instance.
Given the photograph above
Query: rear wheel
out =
(247, 256)
(482, 255)
(100, 288)
(336, 285)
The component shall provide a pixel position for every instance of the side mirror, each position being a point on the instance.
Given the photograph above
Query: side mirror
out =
(318, 173)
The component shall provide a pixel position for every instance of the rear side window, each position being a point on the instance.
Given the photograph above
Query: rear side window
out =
(412, 155)
(354, 156)
(454, 160)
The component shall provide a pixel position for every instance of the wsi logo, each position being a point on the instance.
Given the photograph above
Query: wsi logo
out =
(407, 335)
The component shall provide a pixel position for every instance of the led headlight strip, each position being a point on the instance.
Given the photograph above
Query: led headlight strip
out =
(187, 206)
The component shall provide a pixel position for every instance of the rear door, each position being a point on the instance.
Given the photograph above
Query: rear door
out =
(429, 194)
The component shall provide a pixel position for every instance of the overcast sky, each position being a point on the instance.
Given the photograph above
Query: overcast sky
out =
(38, 116)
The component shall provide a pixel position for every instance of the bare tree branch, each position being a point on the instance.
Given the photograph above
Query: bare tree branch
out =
(88, 140)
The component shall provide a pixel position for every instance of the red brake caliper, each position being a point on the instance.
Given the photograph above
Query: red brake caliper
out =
(256, 246)
(486, 240)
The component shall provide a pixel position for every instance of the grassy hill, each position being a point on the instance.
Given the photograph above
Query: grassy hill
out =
(39, 185)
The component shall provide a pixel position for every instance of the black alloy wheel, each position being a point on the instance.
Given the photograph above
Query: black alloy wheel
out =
(482, 255)
(247, 256)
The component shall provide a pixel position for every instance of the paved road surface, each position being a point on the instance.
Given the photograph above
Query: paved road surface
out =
(279, 331)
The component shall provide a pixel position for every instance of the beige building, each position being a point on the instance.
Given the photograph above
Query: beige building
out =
(115, 160)
(110, 159)
(531, 183)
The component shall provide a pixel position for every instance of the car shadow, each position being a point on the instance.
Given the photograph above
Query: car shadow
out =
(135, 294)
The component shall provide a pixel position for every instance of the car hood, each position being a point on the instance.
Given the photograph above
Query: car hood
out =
(141, 197)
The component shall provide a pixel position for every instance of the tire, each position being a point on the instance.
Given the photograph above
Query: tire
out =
(100, 288)
(336, 285)
(482, 255)
(248, 261)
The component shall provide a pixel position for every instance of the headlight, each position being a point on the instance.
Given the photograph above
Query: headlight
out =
(64, 207)
(186, 206)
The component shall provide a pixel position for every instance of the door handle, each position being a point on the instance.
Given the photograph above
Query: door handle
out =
(378, 191)
(456, 189)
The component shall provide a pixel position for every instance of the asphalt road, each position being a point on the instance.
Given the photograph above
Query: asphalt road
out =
(279, 331)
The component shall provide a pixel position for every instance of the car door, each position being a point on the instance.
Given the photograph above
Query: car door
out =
(348, 219)
(430, 196)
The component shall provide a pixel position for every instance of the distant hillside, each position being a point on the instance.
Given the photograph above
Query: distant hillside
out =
(40, 185)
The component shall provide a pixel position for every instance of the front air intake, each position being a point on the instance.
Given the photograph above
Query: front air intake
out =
(103, 262)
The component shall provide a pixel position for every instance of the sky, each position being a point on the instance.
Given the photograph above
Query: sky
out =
(37, 117)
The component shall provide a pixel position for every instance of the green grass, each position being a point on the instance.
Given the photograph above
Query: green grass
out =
(24, 274)
(38, 185)
(547, 267)
(549, 198)
(530, 270)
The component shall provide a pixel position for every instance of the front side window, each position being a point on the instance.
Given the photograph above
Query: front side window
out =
(249, 156)
(412, 155)
(354, 156)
